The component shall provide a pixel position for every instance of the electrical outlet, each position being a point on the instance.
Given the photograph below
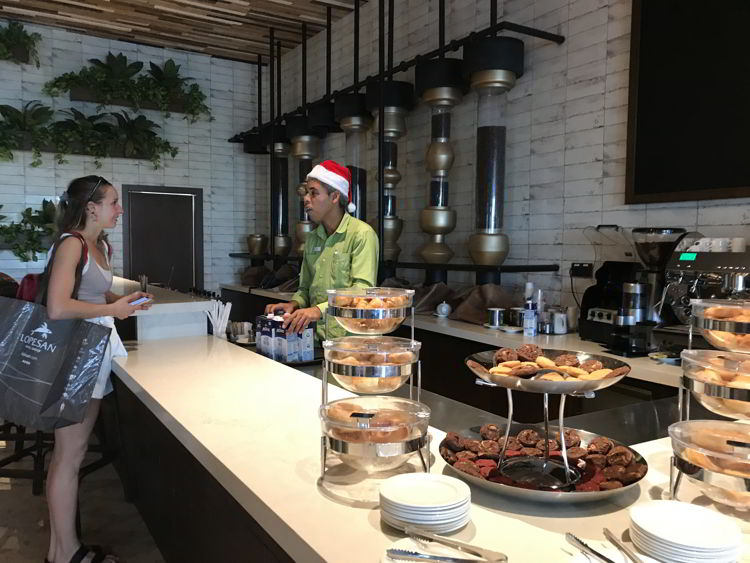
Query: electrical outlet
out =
(582, 270)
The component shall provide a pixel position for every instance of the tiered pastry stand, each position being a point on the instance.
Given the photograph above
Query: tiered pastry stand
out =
(357, 321)
(730, 486)
(544, 472)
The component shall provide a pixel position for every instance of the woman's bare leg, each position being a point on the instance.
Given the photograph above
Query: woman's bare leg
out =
(71, 443)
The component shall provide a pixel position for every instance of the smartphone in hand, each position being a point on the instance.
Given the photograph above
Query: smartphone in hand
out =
(141, 301)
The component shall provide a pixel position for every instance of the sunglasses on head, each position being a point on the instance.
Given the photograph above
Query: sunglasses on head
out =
(93, 191)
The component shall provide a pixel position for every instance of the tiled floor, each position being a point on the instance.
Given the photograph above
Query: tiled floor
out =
(107, 519)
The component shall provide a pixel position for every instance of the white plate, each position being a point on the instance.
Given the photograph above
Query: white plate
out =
(425, 509)
(687, 525)
(655, 546)
(436, 529)
(440, 316)
(415, 517)
(425, 490)
(678, 556)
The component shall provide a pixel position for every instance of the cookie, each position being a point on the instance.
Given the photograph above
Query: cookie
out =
(595, 375)
(476, 366)
(490, 432)
(553, 445)
(613, 472)
(597, 460)
(523, 371)
(513, 443)
(600, 445)
(566, 360)
(620, 455)
(448, 455)
(552, 377)
(528, 437)
(609, 485)
(470, 444)
(528, 352)
(576, 453)
(544, 362)
(504, 354)
(489, 447)
(617, 372)
(591, 365)
(466, 455)
(452, 441)
(534, 452)
(572, 438)
(468, 467)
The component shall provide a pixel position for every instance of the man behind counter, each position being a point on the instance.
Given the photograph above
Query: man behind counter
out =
(341, 252)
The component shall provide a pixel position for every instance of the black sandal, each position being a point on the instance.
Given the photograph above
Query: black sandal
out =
(99, 555)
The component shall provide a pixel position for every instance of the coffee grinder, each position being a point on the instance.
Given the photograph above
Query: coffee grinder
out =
(654, 246)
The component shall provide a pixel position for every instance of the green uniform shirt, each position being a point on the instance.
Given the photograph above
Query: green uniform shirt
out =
(347, 258)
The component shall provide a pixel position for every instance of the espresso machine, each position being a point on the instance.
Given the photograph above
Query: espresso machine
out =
(698, 275)
(625, 305)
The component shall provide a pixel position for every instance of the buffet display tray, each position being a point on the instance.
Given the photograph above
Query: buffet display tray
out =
(532, 385)
(554, 497)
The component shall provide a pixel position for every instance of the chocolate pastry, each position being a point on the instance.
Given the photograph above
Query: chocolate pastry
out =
(613, 472)
(524, 371)
(576, 453)
(597, 460)
(513, 443)
(609, 485)
(529, 352)
(566, 360)
(452, 441)
(470, 444)
(600, 445)
(505, 355)
(553, 445)
(468, 467)
(448, 455)
(490, 432)
(572, 439)
(620, 455)
(617, 372)
(489, 447)
(466, 455)
(485, 471)
(536, 452)
(528, 437)
(477, 366)
(634, 472)
(591, 365)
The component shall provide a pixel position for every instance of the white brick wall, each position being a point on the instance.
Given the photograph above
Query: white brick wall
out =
(227, 176)
(567, 121)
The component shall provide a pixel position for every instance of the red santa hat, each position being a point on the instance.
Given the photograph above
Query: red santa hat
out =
(337, 176)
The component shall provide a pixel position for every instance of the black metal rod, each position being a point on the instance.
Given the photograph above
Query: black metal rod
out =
(441, 28)
(272, 119)
(328, 50)
(454, 45)
(493, 12)
(260, 90)
(304, 65)
(356, 46)
(390, 38)
(476, 268)
(381, 127)
(278, 81)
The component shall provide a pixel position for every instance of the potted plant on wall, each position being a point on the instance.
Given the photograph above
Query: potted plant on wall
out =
(18, 45)
(32, 235)
(171, 92)
(25, 129)
(137, 138)
(81, 134)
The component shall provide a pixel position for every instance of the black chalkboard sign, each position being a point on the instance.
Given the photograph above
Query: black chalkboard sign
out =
(689, 101)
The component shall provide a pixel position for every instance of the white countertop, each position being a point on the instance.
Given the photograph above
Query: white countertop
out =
(166, 301)
(225, 404)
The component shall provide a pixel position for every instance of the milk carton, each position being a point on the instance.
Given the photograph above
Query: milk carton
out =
(306, 344)
(285, 343)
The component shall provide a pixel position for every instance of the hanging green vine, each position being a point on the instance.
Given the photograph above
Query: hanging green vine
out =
(18, 45)
(117, 81)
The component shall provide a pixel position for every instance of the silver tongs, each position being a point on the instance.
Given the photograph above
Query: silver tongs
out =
(486, 554)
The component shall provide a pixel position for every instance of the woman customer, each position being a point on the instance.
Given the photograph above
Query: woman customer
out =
(77, 281)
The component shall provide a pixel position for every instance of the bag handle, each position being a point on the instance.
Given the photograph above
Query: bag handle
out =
(41, 296)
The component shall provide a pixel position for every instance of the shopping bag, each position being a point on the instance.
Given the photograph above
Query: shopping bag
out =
(48, 368)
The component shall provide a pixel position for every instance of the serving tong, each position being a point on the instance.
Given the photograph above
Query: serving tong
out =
(424, 537)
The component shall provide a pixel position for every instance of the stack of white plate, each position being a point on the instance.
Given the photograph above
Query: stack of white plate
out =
(669, 530)
(434, 503)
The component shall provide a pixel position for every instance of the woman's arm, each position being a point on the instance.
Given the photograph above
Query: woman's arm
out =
(60, 304)
(112, 297)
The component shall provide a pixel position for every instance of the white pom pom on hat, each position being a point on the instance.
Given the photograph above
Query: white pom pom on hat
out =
(337, 176)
